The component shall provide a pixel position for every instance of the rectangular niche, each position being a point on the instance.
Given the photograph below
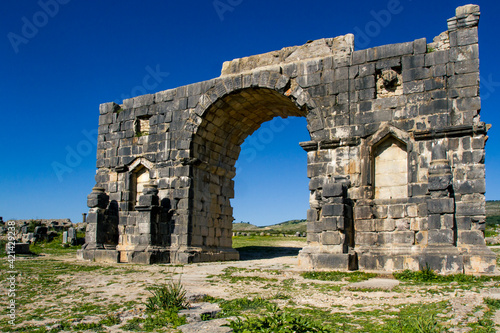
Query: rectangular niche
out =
(391, 169)
(142, 125)
(140, 177)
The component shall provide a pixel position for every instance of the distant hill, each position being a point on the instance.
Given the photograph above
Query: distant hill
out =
(493, 208)
(245, 227)
(287, 227)
(493, 212)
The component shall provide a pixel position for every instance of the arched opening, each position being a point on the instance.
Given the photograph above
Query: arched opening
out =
(216, 148)
(390, 163)
(271, 183)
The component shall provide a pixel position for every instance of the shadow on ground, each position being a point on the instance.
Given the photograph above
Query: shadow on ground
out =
(266, 252)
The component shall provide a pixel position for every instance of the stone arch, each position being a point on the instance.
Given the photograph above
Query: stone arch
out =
(233, 115)
(273, 81)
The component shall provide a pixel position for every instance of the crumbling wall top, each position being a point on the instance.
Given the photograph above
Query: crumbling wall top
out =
(340, 47)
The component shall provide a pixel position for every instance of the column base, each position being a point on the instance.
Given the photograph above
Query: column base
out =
(313, 258)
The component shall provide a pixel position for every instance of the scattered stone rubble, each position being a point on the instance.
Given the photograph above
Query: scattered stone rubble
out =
(395, 161)
(46, 230)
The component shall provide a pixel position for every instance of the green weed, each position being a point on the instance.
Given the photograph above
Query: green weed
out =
(277, 321)
(338, 276)
(237, 306)
(166, 297)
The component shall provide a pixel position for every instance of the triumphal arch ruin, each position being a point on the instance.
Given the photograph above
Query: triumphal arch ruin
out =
(395, 161)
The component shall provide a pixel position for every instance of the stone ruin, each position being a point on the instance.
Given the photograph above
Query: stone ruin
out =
(395, 161)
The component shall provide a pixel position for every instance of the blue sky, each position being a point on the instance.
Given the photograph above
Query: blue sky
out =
(61, 58)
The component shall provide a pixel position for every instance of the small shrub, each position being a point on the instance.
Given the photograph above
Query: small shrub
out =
(139, 134)
(166, 297)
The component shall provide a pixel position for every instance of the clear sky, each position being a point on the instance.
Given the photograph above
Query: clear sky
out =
(60, 59)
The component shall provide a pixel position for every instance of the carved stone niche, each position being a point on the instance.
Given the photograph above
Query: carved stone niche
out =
(389, 82)
(385, 168)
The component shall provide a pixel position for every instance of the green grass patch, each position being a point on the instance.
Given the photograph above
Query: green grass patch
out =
(338, 276)
(277, 321)
(155, 321)
(54, 247)
(238, 306)
(429, 276)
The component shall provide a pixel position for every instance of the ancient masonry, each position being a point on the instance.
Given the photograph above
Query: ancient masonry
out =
(395, 161)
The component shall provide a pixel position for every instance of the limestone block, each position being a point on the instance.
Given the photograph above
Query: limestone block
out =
(333, 210)
(470, 208)
(380, 211)
(364, 225)
(385, 225)
(315, 227)
(441, 205)
(396, 211)
(434, 221)
(402, 224)
(329, 223)
(332, 238)
(473, 237)
(412, 210)
(334, 190)
(366, 238)
(440, 236)
(467, 10)
(447, 221)
(397, 237)
(421, 238)
(363, 212)
(312, 215)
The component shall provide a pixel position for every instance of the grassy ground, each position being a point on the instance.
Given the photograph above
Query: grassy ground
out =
(56, 293)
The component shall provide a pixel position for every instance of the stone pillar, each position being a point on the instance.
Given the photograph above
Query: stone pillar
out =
(330, 229)
(71, 236)
(97, 245)
(84, 217)
(469, 190)
(97, 201)
(147, 217)
(146, 242)
(441, 203)
(438, 236)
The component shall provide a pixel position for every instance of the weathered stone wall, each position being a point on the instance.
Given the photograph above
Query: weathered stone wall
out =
(406, 113)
